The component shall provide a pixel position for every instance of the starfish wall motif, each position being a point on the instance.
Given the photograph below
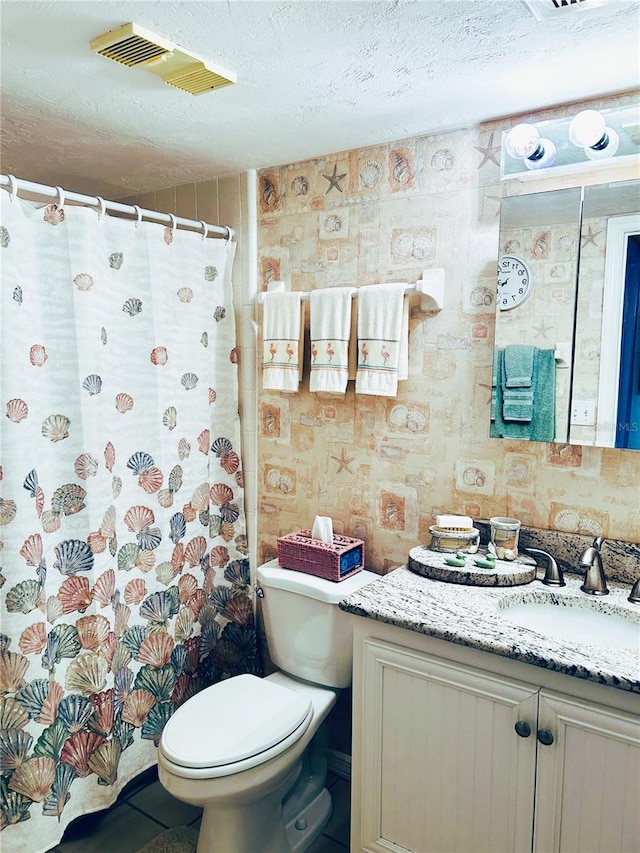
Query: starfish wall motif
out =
(334, 180)
(343, 462)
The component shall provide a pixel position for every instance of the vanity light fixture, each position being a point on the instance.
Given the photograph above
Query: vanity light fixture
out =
(606, 140)
(588, 130)
(523, 142)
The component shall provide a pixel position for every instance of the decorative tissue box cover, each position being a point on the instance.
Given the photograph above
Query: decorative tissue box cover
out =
(334, 562)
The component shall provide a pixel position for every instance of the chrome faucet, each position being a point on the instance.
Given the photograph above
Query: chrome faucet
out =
(595, 582)
(553, 575)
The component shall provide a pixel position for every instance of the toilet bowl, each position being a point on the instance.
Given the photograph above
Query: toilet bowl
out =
(242, 798)
(251, 751)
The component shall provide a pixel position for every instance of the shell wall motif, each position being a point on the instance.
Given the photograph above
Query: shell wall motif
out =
(431, 202)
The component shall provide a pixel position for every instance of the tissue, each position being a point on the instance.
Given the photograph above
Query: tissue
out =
(323, 529)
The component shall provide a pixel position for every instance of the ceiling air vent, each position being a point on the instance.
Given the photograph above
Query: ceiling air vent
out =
(134, 46)
(197, 78)
(131, 45)
(550, 8)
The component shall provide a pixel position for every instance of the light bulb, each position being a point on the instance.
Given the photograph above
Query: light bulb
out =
(544, 157)
(606, 148)
(587, 128)
(522, 141)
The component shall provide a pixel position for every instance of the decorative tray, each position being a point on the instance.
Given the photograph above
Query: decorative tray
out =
(431, 564)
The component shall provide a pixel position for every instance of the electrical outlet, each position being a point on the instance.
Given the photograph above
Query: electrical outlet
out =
(583, 413)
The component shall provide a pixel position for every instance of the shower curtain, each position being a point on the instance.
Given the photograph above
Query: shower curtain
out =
(124, 571)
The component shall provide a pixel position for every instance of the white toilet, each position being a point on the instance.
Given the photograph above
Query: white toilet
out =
(248, 750)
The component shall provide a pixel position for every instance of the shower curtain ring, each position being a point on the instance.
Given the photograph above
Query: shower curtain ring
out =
(205, 229)
(13, 182)
(174, 222)
(60, 192)
(103, 206)
(227, 239)
(138, 214)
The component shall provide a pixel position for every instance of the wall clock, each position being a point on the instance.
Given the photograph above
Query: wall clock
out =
(514, 282)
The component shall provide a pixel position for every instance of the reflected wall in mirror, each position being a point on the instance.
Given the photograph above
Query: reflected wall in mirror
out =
(606, 376)
(592, 318)
(535, 312)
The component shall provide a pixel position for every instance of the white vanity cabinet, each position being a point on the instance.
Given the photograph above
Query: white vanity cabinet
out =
(438, 765)
(588, 779)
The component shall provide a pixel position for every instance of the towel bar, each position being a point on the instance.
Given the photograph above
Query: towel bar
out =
(430, 287)
(562, 354)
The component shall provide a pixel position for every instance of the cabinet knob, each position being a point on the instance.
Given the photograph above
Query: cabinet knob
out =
(545, 737)
(523, 729)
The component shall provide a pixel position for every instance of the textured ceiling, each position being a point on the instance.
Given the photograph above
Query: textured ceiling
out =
(314, 77)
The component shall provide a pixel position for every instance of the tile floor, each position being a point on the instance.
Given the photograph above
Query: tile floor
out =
(144, 810)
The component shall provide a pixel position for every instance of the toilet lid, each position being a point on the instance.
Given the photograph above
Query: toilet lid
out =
(231, 721)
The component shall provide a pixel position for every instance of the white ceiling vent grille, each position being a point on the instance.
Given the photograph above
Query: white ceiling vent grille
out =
(133, 46)
(551, 8)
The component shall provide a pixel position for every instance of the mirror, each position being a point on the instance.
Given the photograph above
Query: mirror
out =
(606, 375)
(535, 311)
(569, 280)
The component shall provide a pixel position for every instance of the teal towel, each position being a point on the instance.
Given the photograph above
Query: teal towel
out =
(517, 401)
(518, 382)
(543, 423)
(542, 426)
(517, 405)
(496, 399)
(519, 366)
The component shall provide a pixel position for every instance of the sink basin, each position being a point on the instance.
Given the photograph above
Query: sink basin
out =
(574, 621)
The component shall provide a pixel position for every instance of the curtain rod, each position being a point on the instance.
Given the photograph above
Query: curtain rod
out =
(17, 185)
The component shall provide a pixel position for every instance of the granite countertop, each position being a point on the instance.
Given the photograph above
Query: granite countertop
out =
(470, 616)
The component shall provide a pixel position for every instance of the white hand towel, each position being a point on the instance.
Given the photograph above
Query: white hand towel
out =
(330, 330)
(383, 339)
(282, 335)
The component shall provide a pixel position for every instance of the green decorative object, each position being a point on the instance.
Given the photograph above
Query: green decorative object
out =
(486, 562)
(458, 560)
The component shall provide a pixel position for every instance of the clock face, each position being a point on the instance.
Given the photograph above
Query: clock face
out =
(514, 282)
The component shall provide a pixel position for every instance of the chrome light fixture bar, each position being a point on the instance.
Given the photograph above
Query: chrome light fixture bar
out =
(589, 140)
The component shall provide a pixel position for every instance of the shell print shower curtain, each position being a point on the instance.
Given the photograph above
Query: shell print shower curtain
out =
(125, 582)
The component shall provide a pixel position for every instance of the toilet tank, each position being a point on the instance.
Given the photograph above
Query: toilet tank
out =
(308, 635)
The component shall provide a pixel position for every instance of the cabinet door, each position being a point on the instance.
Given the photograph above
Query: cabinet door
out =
(588, 786)
(437, 763)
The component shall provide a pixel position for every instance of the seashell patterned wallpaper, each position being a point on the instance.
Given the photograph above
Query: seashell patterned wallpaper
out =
(383, 468)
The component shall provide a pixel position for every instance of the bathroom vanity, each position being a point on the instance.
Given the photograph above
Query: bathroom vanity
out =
(474, 734)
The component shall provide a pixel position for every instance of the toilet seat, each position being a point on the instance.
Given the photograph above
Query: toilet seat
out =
(234, 725)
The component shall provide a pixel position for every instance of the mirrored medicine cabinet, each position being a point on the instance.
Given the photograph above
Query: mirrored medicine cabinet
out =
(569, 282)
